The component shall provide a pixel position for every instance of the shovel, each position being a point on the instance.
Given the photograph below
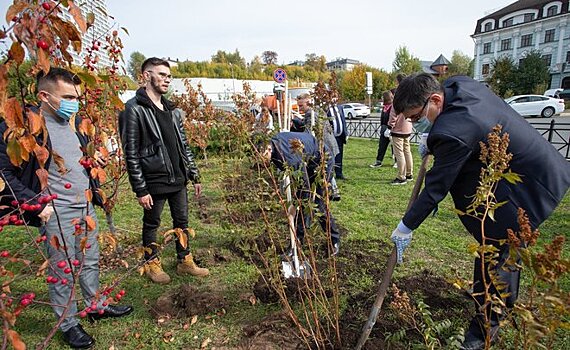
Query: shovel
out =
(391, 264)
(293, 267)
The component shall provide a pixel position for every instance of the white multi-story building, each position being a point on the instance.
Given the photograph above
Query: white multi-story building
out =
(98, 31)
(523, 26)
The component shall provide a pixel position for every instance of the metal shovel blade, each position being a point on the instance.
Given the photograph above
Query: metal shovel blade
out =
(289, 270)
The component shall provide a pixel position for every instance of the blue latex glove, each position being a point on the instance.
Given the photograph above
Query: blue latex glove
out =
(402, 240)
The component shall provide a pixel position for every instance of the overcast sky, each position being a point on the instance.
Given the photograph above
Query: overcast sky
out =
(365, 30)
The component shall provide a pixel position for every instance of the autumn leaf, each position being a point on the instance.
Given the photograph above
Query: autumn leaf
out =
(54, 242)
(42, 268)
(42, 175)
(88, 195)
(17, 52)
(14, 10)
(8, 316)
(42, 154)
(35, 122)
(83, 244)
(75, 11)
(13, 113)
(90, 19)
(194, 320)
(191, 232)
(2, 185)
(91, 225)
(28, 143)
(14, 151)
(43, 60)
(205, 343)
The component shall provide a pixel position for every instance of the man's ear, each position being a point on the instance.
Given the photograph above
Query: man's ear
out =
(437, 99)
(42, 96)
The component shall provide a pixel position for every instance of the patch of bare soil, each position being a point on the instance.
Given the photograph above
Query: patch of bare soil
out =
(274, 332)
(121, 259)
(203, 204)
(187, 301)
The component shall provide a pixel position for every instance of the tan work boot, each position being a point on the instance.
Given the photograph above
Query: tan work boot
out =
(188, 266)
(153, 270)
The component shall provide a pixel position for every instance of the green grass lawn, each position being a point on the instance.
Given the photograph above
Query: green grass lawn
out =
(369, 210)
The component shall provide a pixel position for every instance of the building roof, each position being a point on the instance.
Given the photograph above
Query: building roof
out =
(440, 61)
(517, 6)
(342, 61)
(426, 67)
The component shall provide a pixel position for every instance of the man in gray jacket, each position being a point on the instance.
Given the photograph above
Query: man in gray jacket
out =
(160, 164)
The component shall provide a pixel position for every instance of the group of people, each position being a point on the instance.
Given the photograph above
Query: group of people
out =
(460, 113)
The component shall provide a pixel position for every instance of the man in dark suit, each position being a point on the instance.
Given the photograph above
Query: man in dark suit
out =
(463, 112)
(338, 122)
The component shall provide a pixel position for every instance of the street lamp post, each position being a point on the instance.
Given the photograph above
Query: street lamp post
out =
(233, 80)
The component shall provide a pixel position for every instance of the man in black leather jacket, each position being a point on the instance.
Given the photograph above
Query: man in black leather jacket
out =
(160, 164)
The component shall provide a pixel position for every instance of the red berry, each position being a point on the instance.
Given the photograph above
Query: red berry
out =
(5, 254)
(37, 207)
(25, 207)
(67, 186)
(88, 309)
(122, 292)
(83, 314)
(49, 279)
(61, 264)
(54, 280)
(19, 223)
(101, 311)
(30, 296)
(46, 6)
(14, 203)
(67, 270)
(25, 302)
(77, 227)
(13, 218)
(118, 296)
(105, 303)
(42, 45)
(76, 262)
(115, 33)
(64, 281)
(53, 196)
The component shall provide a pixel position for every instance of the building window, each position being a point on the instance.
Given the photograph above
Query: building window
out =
(485, 69)
(488, 26)
(547, 59)
(508, 22)
(528, 17)
(505, 44)
(526, 40)
(549, 35)
(486, 48)
(568, 56)
(551, 11)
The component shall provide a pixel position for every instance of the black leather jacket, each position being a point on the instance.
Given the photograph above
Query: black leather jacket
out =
(145, 154)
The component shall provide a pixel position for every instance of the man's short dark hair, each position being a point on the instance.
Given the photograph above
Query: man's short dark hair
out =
(400, 77)
(153, 62)
(414, 90)
(54, 75)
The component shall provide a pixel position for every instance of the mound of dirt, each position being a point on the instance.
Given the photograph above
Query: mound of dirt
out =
(187, 301)
(274, 332)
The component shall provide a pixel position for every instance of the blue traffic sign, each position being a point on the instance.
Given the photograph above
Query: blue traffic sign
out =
(279, 75)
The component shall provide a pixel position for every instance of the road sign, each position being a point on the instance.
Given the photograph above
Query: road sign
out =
(279, 75)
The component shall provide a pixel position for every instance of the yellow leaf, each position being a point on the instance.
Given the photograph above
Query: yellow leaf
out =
(77, 16)
(2, 185)
(17, 52)
(43, 60)
(42, 268)
(191, 232)
(194, 320)
(88, 195)
(83, 244)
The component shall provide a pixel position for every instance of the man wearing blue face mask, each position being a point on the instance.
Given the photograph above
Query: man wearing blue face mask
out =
(463, 112)
(422, 126)
(59, 92)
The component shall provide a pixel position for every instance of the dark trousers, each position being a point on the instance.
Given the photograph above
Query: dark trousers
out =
(338, 157)
(178, 203)
(382, 147)
(305, 214)
(495, 231)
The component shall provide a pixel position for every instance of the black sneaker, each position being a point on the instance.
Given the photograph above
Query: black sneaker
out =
(335, 195)
(409, 177)
(376, 165)
(397, 181)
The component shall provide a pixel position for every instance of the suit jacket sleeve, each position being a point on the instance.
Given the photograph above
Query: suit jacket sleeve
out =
(131, 139)
(450, 154)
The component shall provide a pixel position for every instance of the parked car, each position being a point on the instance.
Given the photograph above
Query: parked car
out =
(531, 105)
(553, 93)
(378, 106)
(354, 110)
(564, 94)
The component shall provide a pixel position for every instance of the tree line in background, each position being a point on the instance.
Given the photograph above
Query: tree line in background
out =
(351, 83)
(530, 76)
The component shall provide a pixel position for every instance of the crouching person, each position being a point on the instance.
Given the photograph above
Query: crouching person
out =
(300, 151)
(160, 164)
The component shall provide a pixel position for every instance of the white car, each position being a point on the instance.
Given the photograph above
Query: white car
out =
(354, 110)
(531, 105)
